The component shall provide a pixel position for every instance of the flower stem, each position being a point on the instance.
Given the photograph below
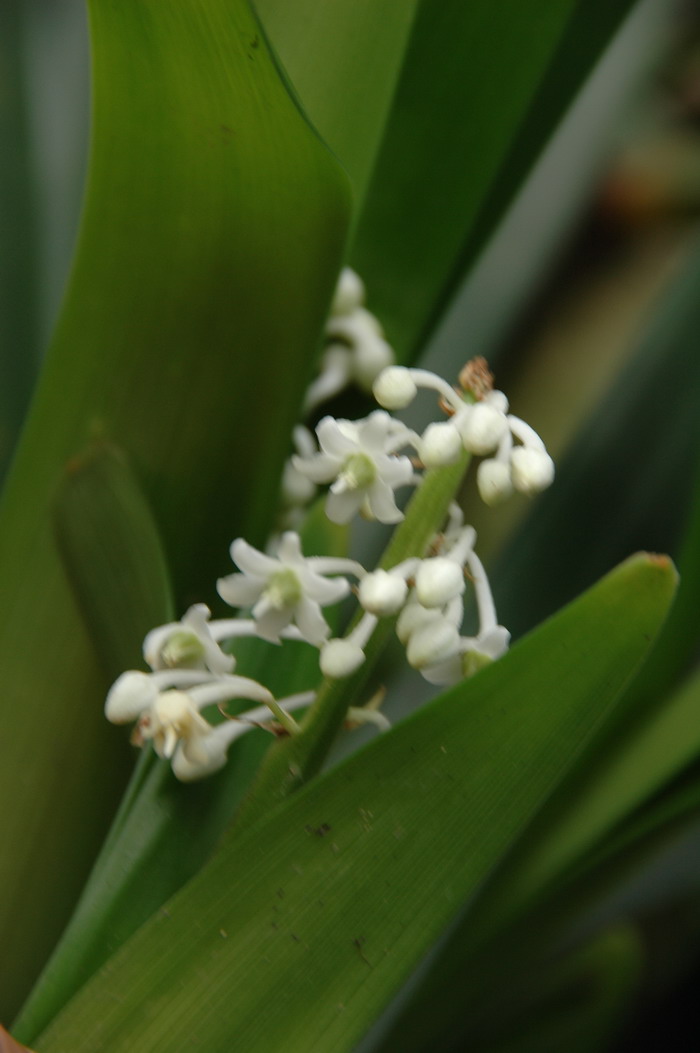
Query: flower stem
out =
(291, 762)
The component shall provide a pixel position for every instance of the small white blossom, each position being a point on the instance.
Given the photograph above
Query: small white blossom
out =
(433, 642)
(483, 425)
(494, 481)
(284, 588)
(439, 580)
(340, 658)
(358, 458)
(395, 388)
(187, 644)
(440, 444)
(349, 292)
(531, 470)
(382, 592)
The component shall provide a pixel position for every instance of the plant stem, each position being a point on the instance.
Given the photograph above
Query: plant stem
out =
(291, 762)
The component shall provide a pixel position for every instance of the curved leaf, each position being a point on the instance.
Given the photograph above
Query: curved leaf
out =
(212, 234)
(482, 87)
(301, 948)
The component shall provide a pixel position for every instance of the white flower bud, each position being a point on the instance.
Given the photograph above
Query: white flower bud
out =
(432, 643)
(440, 444)
(394, 388)
(372, 356)
(494, 481)
(340, 658)
(532, 470)
(349, 292)
(129, 696)
(414, 617)
(297, 489)
(498, 400)
(382, 593)
(482, 427)
(438, 581)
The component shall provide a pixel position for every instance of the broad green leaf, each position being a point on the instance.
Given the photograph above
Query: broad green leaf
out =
(482, 87)
(302, 948)
(18, 306)
(112, 553)
(165, 831)
(343, 58)
(212, 233)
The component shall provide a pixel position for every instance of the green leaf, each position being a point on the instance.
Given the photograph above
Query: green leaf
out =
(306, 944)
(18, 306)
(482, 88)
(113, 555)
(212, 233)
(164, 830)
(575, 1004)
(343, 58)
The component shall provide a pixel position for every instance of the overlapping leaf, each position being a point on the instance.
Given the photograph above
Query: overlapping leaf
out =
(336, 909)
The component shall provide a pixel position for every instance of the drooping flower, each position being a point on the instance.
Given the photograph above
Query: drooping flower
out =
(286, 588)
(187, 644)
(360, 460)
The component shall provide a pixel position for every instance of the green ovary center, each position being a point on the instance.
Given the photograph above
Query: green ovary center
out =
(283, 589)
(359, 471)
(183, 651)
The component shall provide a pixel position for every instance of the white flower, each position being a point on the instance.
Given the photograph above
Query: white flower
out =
(187, 644)
(358, 458)
(395, 388)
(483, 425)
(532, 470)
(440, 444)
(433, 642)
(439, 580)
(349, 292)
(284, 588)
(382, 592)
(340, 658)
(494, 481)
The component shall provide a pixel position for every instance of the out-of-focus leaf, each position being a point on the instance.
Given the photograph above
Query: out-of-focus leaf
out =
(343, 57)
(113, 555)
(575, 1005)
(165, 831)
(482, 87)
(627, 480)
(18, 307)
(305, 945)
(213, 230)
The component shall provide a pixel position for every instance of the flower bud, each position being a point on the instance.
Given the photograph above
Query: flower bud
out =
(349, 292)
(432, 643)
(412, 618)
(440, 444)
(340, 658)
(394, 388)
(482, 427)
(494, 481)
(438, 581)
(382, 593)
(297, 489)
(372, 356)
(532, 470)
(129, 696)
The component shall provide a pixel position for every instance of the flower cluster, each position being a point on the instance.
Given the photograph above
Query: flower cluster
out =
(363, 463)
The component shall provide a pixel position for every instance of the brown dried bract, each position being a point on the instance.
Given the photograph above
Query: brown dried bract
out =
(477, 378)
(8, 1044)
